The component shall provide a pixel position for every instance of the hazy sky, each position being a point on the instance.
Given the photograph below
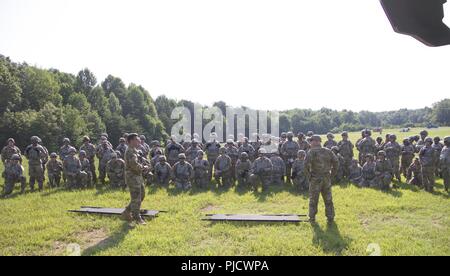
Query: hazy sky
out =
(262, 54)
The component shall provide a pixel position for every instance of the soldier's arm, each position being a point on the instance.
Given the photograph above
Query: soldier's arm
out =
(334, 163)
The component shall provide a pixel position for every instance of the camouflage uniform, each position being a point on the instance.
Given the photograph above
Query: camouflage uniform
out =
(355, 172)
(173, 149)
(13, 174)
(427, 157)
(303, 145)
(414, 175)
(201, 173)
(330, 143)
(437, 146)
(321, 164)
(182, 174)
(134, 181)
(261, 172)
(212, 152)
(162, 172)
(86, 168)
(278, 171)
(90, 155)
(408, 151)
(289, 151)
(249, 149)
(366, 146)
(368, 174)
(223, 169)
(393, 151)
(346, 150)
(54, 170)
(383, 172)
(233, 152)
(122, 147)
(299, 174)
(8, 151)
(192, 152)
(76, 178)
(444, 162)
(104, 155)
(339, 176)
(36, 155)
(243, 167)
(115, 169)
(144, 147)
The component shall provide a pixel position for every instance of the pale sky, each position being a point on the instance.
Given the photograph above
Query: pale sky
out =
(258, 53)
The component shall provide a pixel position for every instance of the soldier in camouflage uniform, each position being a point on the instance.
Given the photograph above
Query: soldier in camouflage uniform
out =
(134, 180)
(122, 147)
(187, 141)
(192, 151)
(330, 143)
(414, 175)
(355, 172)
(420, 143)
(393, 151)
(201, 167)
(303, 145)
(144, 147)
(243, 167)
(379, 144)
(13, 174)
(162, 172)
(437, 146)
(366, 145)
(115, 168)
(91, 151)
(408, 152)
(247, 148)
(256, 143)
(361, 157)
(64, 150)
(444, 162)
(173, 149)
(261, 171)
(341, 163)
(212, 152)
(279, 169)
(36, 155)
(346, 150)
(54, 170)
(103, 155)
(8, 151)
(427, 157)
(223, 169)
(321, 166)
(86, 167)
(182, 173)
(298, 172)
(289, 151)
(76, 178)
(233, 152)
(368, 172)
(383, 171)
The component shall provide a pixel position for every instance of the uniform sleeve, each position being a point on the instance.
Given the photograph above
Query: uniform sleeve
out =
(334, 163)
(133, 164)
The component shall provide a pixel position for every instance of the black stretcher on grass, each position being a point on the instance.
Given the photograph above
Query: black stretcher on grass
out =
(113, 211)
(256, 218)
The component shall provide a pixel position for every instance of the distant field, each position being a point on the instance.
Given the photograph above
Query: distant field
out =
(406, 221)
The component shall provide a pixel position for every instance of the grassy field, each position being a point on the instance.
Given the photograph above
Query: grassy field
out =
(405, 221)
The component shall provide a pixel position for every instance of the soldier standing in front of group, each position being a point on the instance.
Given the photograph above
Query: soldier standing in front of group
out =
(321, 165)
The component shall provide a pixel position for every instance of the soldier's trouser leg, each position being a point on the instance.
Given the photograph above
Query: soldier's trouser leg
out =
(93, 171)
(51, 180)
(428, 178)
(288, 171)
(396, 168)
(321, 186)
(446, 176)
(211, 167)
(9, 186)
(137, 194)
(102, 173)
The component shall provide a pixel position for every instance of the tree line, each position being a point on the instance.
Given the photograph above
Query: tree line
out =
(55, 105)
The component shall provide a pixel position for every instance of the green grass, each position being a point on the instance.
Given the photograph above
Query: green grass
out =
(406, 221)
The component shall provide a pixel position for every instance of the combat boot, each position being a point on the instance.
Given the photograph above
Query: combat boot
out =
(126, 216)
(140, 221)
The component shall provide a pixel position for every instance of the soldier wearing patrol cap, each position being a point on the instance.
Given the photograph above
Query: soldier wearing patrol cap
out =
(289, 151)
(383, 171)
(346, 150)
(201, 167)
(321, 165)
(223, 169)
(261, 171)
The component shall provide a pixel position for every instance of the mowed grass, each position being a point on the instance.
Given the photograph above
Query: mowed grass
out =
(404, 221)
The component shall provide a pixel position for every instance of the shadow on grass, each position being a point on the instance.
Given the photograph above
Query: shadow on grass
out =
(112, 241)
(330, 239)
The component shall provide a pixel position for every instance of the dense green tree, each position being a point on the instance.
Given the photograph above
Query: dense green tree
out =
(85, 81)
(10, 90)
(442, 112)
